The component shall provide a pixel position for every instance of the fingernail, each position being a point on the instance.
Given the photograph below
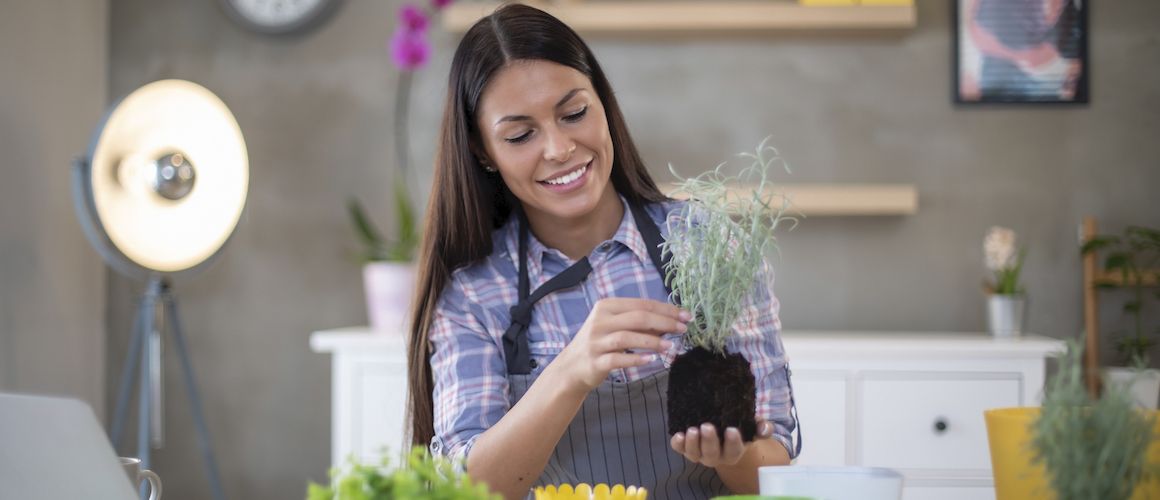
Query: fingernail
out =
(648, 358)
(666, 345)
(732, 430)
(686, 315)
(706, 428)
(681, 327)
(691, 431)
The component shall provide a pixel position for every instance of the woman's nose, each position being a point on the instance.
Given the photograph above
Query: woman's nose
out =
(559, 148)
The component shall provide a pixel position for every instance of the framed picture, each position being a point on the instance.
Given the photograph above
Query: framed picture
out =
(1020, 51)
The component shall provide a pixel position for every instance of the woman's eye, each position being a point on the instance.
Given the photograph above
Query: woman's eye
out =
(577, 116)
(522, 138)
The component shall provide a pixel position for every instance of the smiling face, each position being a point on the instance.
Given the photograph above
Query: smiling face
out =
(543, 127)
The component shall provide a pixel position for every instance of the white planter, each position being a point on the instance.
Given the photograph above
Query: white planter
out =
(1006, 315)
(389, 288)
(1144, 385)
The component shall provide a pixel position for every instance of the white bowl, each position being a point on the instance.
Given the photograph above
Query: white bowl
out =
(831, 483)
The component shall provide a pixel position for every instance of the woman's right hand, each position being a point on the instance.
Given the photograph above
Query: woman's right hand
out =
(614, 326)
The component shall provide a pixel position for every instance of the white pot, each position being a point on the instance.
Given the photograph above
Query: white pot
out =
(1144, 385)
(830, 482)
(389, 287)
(1006, 315)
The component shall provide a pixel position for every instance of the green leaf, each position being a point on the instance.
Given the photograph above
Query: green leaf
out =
(405, 218)
(1097, 243)
(368, 234)
(420, 476)
(1118, 261)
(315, 491)
(1143, 237)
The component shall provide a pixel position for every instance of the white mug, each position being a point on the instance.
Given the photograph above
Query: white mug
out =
(136, 474)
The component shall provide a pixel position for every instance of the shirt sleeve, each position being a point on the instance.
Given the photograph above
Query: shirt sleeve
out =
(470, 377)
(757, 336)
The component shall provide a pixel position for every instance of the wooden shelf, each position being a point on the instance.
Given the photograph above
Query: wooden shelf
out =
(639, 16)
(813, 200)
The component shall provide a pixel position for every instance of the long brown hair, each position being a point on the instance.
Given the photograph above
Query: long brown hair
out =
(468, 203)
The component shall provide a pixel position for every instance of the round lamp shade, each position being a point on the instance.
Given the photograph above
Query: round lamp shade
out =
(166, 177)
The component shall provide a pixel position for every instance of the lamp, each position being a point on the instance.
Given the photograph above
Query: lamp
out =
(159, 193)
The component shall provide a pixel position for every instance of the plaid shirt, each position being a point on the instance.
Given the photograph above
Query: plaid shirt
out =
(466, 339)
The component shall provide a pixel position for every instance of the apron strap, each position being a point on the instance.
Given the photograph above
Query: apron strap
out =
(517, 352)
(652, 240)
(515, 338)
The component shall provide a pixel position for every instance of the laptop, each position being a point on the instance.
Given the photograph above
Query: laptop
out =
(55, 449)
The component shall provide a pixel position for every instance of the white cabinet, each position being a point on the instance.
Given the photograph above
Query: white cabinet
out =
(368, 393)
(912, 402)
(909, 401)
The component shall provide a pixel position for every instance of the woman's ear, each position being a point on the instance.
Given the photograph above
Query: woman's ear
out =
(481, 157)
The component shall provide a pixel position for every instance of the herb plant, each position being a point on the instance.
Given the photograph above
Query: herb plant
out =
(717, 245)
(421, 476)
(1134, 255)
(1091, 447)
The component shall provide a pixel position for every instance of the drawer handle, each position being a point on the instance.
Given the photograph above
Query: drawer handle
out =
(940, 426)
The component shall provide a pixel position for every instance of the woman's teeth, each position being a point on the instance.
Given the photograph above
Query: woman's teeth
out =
(568, 178)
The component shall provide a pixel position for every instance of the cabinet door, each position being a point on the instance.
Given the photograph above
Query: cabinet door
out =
(379, 408)
(821, 403)
(931, 423)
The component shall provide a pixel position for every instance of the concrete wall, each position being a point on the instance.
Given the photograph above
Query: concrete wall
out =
(316, 112)
(53, 68)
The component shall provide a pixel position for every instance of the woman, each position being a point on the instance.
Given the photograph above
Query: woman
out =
(542, 325)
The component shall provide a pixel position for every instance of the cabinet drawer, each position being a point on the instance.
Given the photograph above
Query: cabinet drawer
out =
(932, 423)
(821, 405)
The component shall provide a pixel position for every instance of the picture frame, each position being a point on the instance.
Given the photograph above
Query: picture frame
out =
(1020, 51)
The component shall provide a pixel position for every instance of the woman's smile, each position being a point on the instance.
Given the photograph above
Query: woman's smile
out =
(569, 180)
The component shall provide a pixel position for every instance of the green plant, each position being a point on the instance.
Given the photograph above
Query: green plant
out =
(375, 248)
(717, 245)
(1091, 447)
(1133, 255)
(1004, 261)
(718, 242)
(422, 476)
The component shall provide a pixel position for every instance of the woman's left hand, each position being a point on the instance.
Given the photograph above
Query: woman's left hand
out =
(702, 445)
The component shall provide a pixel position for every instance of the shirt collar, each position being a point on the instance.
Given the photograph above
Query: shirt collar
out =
(627, 234)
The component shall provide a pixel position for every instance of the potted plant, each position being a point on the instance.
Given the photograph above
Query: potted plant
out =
(1134, 255)
(1006, 298)
(1075, 446)
(388, 267)
(421, 476)
(1091, 447)
(716, 244)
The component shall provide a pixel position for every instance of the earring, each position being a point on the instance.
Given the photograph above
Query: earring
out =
(487, 167)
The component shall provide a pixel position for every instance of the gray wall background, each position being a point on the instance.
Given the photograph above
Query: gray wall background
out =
(316, 112)
(53, 85)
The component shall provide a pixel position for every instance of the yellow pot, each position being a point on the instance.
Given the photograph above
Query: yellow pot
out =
(1009, 436)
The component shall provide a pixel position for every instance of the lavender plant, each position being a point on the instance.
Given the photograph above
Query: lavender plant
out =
(717, 245)
(718, 242)
(1091, 447)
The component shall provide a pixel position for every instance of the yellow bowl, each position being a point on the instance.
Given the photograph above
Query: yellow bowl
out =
(585, 492)
(1016, 476)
